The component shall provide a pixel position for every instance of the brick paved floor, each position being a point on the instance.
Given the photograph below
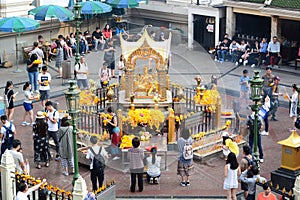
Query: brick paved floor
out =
(207, 180)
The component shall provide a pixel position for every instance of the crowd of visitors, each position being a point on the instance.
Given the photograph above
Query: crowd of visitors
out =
(246, 52)
(48, 124)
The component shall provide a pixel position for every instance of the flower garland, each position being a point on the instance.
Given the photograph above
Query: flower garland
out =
(144, 116)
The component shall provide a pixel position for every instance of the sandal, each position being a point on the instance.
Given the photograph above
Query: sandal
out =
(38, 166)
(47, 164)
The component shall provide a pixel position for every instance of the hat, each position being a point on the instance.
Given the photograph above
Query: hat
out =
(225, 134)
(277, 78)
(39, 115)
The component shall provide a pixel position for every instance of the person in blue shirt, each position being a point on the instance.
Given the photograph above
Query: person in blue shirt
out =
(245, 86)
(263, 50)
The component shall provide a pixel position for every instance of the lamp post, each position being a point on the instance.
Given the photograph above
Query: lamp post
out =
(77, 14)
(256, 84)
(72, 99)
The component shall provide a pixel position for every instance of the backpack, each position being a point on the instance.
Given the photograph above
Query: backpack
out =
(252, 162)
(98, 161)
(250, 124)
(5, 98)
(187, 151)
(9, 137)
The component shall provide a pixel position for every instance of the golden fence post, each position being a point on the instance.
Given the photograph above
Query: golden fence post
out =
(120, 116)
(171, 127)
(218, 113)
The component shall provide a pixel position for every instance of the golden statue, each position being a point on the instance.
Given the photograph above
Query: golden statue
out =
(144, 82)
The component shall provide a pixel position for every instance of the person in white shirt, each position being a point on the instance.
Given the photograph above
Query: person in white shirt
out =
(39, 52)
(44, 79)
(25, 191)
(52, 119)
(153, 163)
(27, 104)
(104, 75)
(82, 70)
(274, 51)
(121, 67)
(18, 157)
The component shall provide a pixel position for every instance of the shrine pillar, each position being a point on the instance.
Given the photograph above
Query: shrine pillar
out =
(129, 84)
(8, 182)
(162, 81)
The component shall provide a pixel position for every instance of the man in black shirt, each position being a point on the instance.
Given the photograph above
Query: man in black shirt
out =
(223, 51)
(98, 38)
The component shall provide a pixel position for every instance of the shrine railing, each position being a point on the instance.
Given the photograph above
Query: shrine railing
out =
(104, 97)
(89, 120)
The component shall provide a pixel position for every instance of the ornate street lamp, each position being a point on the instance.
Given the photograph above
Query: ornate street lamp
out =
(72, 99)
(77, 14)
(256, 84)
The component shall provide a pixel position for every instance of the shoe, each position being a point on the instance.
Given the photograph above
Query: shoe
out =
(240, 60)
(38, 166)
(151, 180)
(236, 63)
(156, 181)
(66, 173)
(116, 158)
(47, 164)
(32, 124)
(58, 77)
(274, 119)
(264, 133)
(261, 160)
(57, 158)
(187, 183)
(25, 123)
(245, 62)
(215, 60)
(291, 129)
(114, 77)
(253, 65)
(183, 184)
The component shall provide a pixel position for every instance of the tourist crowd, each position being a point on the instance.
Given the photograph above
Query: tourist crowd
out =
(248, 52)
(47, 124)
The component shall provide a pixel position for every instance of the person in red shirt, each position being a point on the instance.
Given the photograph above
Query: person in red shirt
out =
(267, 194)
(107, 32)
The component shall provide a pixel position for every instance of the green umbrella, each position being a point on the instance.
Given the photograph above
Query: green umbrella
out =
(51, 12)
(94, 7)
(46, 12)
(18, 24)
(123, 3)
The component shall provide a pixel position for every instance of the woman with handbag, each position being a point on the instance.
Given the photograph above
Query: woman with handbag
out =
(265, 113)
(66, 145)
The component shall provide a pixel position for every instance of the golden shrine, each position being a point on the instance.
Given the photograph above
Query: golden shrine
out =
(145, 87)
(285, 176)
(290, 152)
